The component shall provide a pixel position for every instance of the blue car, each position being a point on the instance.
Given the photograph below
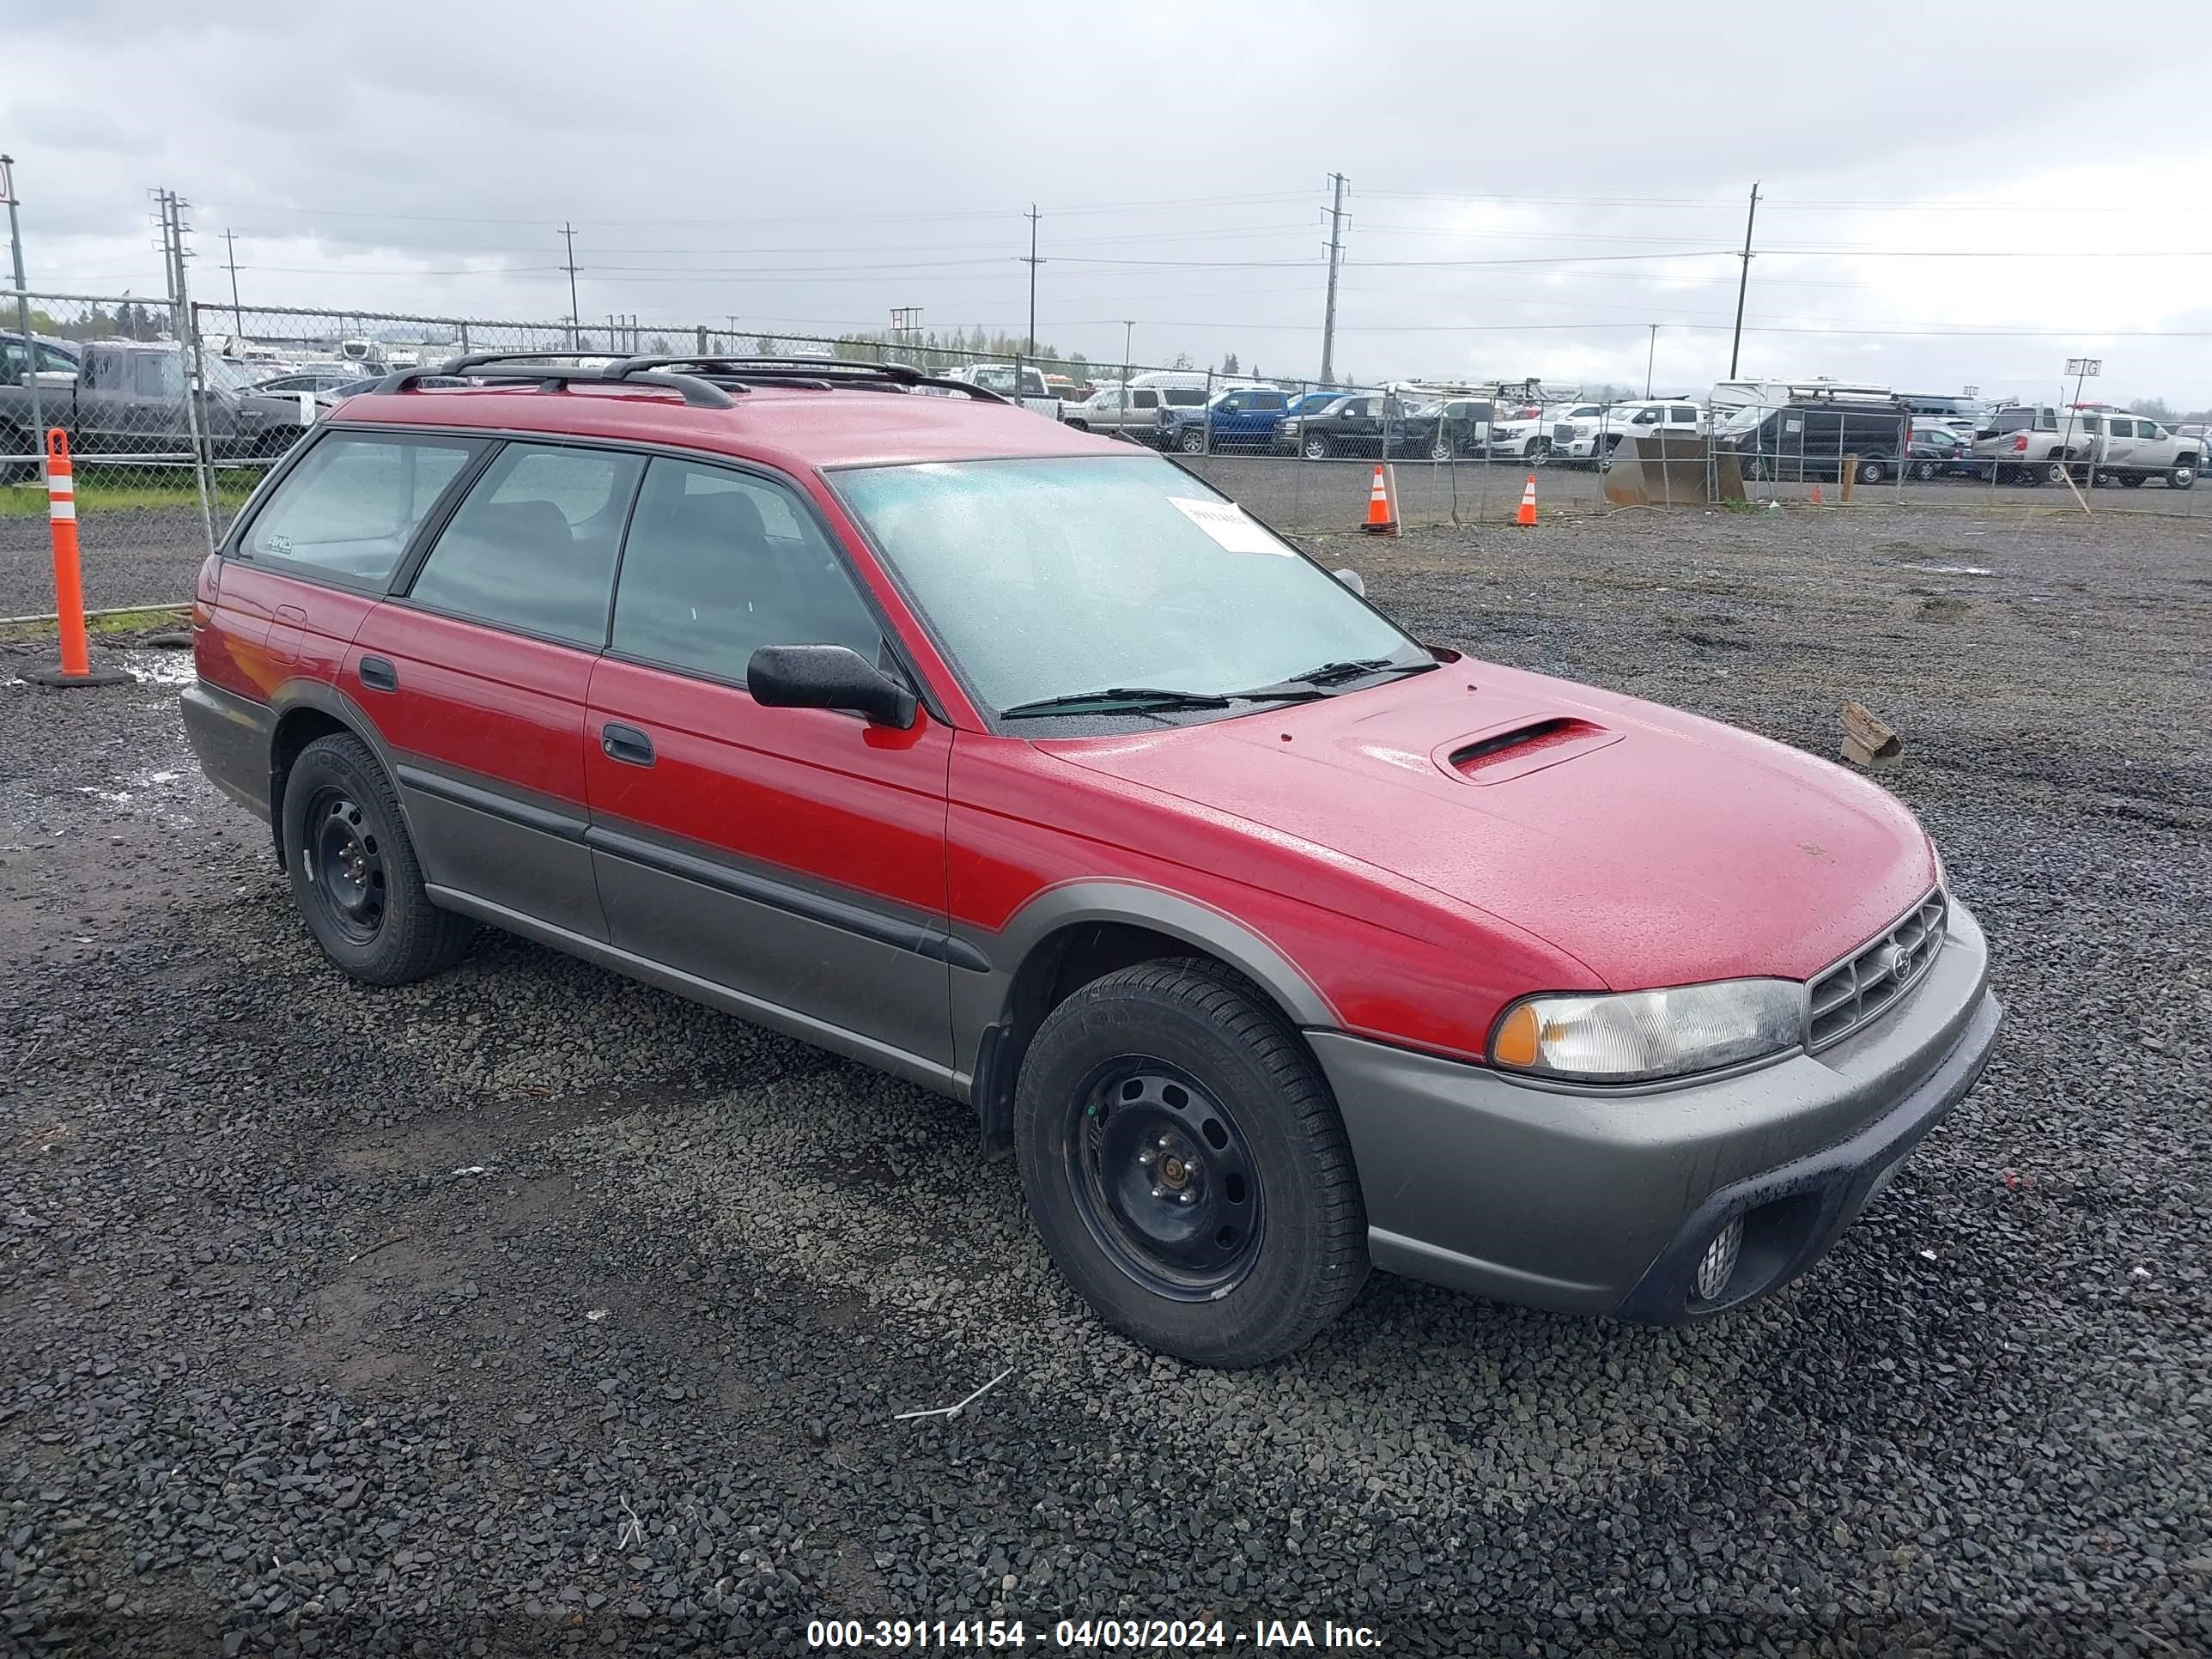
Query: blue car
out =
(1242, 418)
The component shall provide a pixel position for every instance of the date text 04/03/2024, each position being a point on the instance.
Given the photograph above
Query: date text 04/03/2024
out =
(1261, 1635)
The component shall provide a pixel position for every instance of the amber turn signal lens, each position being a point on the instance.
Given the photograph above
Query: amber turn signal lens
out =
(1515, 1041)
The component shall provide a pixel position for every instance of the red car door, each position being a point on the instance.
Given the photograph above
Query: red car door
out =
(476, 680)
(793, 858)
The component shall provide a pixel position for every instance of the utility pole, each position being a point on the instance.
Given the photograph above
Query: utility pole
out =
(575, 313)
(1743, 283)
(1032, 262)
(237, 317)
(1649, 356)
(1335, 248)
(38, 432)
(1129, 340)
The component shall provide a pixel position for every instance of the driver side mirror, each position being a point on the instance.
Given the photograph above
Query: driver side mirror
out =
(828, 677)
(1352, 579)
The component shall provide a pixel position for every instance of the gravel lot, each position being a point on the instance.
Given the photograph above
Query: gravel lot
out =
(528, 1310)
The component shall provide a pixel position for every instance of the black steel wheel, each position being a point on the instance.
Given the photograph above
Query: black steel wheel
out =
(344, 862)
(1163, 1179)
(1186, 1166)
(355, 874)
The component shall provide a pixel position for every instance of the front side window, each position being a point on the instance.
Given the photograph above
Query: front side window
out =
(159, 374)
(720, 564)
(351, 505)
(1053, 577)
(533, 546)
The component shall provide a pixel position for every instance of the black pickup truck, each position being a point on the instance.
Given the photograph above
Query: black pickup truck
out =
(127, 398)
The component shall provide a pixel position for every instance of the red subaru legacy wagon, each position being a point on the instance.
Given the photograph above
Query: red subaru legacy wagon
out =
(1023, 764)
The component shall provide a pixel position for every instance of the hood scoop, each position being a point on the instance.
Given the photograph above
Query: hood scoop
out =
(1525, 746)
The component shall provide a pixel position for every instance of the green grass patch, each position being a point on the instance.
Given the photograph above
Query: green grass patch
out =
(123, 622)
(100, 490)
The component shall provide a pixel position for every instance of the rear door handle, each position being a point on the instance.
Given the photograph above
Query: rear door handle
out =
(377, 674)
(626, 744)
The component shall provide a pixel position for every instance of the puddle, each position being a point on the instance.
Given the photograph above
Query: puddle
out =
(157, 667)
(1953, 569)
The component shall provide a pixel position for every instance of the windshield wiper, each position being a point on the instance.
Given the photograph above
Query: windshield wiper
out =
(1335, 673)
(1115, 699)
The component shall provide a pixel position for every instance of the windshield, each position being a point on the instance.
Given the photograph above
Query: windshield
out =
(1745, 418)
(1049, 578)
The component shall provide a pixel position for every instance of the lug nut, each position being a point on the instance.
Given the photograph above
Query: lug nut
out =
(1147, 1157)
(1189, 1197)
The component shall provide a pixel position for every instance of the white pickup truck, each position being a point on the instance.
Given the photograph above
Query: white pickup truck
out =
(1030, 392)
(2033, 444)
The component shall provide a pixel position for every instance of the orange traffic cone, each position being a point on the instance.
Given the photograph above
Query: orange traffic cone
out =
(1382, 505)
(1527, 515)
(1816, 495)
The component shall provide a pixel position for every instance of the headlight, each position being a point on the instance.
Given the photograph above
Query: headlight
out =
(1650, 1034)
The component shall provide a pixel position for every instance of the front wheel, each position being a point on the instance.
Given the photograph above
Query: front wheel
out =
(1540, 451)
(1185, 1163)
(1192, 442)
(355, 875)
(1315, 449)
(1440, 449)
(1924, 471)
(2181, 477)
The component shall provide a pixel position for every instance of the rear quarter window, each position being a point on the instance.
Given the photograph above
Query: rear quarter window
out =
(350, 507)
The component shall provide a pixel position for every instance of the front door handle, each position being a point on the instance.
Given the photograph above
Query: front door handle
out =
(625, 744)
(377, 674)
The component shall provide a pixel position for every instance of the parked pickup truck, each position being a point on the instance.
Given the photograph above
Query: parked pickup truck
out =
(1031, 390)
(2033, 444)
(127, 397)
(1242, 418)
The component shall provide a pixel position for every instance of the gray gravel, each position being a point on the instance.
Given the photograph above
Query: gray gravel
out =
(528, 1309)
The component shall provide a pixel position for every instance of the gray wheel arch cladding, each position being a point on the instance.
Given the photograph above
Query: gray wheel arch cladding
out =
(296, 695)
(983, 1003)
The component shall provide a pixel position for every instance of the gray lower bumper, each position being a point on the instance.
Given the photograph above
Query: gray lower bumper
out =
(229, 735)
(1601, 1201)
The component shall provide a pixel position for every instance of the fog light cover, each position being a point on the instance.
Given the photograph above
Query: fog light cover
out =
(1718, 1266)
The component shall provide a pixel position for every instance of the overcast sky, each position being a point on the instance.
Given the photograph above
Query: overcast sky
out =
(1951, 197)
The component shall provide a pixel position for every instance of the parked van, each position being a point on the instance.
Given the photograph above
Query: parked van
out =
(1807, 436)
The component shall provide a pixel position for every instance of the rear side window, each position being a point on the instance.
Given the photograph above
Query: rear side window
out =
(348, 509)
(1185, 396)
(533, 546)
(1145, 398)
(719, 564)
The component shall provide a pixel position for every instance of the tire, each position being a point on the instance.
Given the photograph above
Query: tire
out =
(2182, 477)
(1314, 449)
(1755, 470)
(1540, 452)
(1176, 1077)
(1440, 449)
(2054, 471)
(1192, 442)
(1924, 471)
(1872, 472)
(355, 875)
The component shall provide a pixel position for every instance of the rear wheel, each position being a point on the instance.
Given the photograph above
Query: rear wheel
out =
(1186, 1166)
(2055, 471)
(1924, 471)
(1872, 472)
(354, 871)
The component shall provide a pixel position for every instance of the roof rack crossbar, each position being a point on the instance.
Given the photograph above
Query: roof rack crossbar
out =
(553, 375)
(820, 373)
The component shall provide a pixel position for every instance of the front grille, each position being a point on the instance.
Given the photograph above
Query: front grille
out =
(1562, 434)
(1876, 976)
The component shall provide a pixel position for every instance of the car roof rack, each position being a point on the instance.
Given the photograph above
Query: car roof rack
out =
(703, 381)
(552, 374)
(812, 373)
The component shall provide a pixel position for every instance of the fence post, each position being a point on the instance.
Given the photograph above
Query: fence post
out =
(185, 328)
(1208, 439)
(465, 339)
(23, 304)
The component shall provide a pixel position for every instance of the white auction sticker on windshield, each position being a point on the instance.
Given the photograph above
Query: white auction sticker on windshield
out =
(1226, 523)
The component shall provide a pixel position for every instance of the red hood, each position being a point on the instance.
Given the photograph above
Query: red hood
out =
(1656, 848)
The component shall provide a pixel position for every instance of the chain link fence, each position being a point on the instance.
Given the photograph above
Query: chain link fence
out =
(174, 412)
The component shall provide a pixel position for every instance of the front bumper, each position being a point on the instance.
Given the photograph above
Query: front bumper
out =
(1601, 1201)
